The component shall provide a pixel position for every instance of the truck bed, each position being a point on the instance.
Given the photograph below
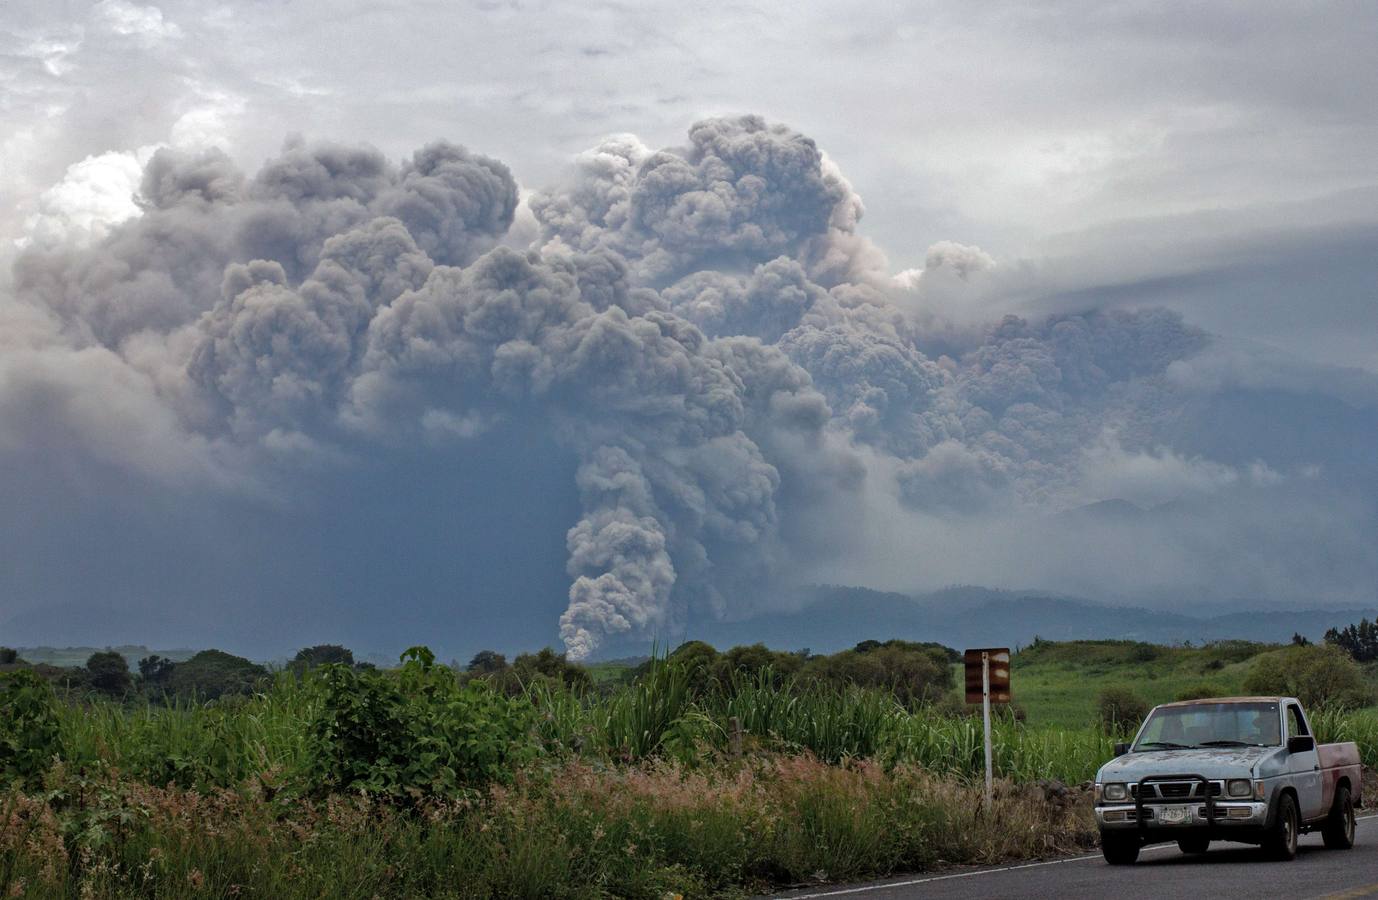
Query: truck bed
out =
(1337, 762)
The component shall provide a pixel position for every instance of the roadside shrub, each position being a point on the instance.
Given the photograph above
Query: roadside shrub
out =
(1320, 676)
(28, 727)
(414, 733)
(1120, 710)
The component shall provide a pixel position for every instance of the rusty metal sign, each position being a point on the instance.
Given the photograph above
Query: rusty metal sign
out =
(999, 658)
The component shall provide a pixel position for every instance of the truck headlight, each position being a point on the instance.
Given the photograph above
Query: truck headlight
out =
(1115, 791)
(1239, 787)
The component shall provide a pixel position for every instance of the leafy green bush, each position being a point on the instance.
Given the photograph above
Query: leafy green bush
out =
(413, 733)
(1121, 710)
(1320, 676)
(1198, 691)
(28, 726)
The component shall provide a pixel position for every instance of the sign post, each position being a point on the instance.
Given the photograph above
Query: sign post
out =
(985, 719)
(988, 681)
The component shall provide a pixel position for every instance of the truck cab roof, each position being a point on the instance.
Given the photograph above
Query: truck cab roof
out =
(1229, 700)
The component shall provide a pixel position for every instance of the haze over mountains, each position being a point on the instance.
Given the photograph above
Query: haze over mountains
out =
(833, 618)
(827, 618)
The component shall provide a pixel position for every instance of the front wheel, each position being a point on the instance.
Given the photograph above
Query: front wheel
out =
(1120, 848)
(1280, 842)
(1338, 832)
(1194, 845)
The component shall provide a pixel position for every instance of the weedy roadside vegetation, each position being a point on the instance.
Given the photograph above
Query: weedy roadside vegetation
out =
(417, 782)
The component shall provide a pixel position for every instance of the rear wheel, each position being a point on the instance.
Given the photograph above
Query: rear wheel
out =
(1120, 848)
(1338, 832)
(1194, 844)
(1280, 842)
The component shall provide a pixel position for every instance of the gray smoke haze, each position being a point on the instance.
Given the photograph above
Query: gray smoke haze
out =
(744, 395)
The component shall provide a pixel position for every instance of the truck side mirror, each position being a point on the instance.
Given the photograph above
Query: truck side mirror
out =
(1121, 748)
(1300, 743)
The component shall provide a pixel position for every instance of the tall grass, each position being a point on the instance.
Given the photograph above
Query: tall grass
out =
(576, 830)
(671, 784)
(1360, 726)
(222, 744)
(193, 744)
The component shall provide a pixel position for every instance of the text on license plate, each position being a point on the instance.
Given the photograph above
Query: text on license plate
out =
(1175, 815)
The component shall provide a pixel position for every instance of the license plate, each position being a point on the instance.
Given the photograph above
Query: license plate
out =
(1175, 815)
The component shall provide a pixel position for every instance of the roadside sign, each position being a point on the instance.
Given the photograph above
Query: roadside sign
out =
(999, 674)
(988, 681)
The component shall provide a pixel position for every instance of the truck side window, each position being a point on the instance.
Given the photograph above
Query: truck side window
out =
(1296, 723)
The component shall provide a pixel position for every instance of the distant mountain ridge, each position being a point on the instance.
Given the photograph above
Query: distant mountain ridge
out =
(837, 617)
(77, 656)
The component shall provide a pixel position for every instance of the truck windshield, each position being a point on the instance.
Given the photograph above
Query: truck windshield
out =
(1211, 725)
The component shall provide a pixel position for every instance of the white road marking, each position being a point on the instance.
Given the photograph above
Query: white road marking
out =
(867, 888)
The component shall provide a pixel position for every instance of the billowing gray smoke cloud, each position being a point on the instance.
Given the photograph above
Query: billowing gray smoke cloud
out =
(703, 328)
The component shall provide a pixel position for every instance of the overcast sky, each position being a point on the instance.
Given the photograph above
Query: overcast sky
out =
(1212, 159)
(1021, 128)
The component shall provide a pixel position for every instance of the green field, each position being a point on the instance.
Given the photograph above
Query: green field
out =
(422, 781)
(1058, 683)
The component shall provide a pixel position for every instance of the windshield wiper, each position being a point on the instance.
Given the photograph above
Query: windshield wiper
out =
(1168, 744)
(1229, 744)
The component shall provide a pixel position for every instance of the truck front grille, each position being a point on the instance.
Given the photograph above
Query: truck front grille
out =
(1168, 791)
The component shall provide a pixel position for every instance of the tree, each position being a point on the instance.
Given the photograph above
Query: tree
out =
(321, 655)
(108, 672)
(753, 659)
(552, 667)
(1319, 676)
(1300, 639)
(155, 670)
(1359, 641)
(8, 656)
(912, 672)
(486, 662)
(212, 674)
(697, 659)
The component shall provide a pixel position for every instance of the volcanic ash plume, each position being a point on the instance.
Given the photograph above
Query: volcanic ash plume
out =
(702, 327)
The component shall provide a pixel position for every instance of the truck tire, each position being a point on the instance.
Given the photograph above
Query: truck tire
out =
(1280, 842)
(1194, 844)
(1120, 848)
(1338, 832)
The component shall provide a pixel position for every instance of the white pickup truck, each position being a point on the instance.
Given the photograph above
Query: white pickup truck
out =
(1244, 769)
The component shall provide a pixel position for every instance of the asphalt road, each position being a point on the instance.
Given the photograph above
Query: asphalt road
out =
(1228, 870)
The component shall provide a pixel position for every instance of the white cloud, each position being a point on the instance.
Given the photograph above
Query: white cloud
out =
(93, 195)
(133, 20)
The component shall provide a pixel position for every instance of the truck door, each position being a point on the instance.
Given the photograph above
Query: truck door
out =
(1305, 768)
